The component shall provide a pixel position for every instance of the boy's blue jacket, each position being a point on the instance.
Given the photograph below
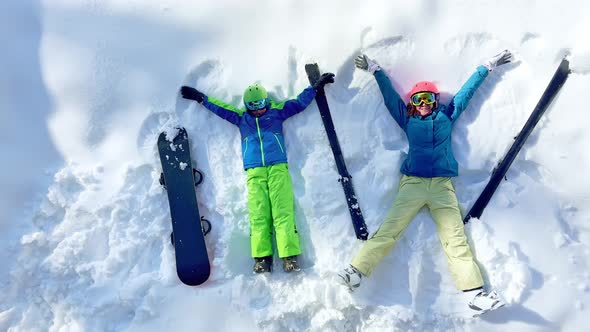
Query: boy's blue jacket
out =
(430, 153)
(262, 138)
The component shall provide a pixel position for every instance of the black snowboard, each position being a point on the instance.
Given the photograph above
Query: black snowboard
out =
(192, 262)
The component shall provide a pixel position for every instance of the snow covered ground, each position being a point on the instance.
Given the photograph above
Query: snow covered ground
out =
(86, 86)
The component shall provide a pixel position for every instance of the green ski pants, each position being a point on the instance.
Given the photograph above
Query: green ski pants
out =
(271, 203)
(438, 194)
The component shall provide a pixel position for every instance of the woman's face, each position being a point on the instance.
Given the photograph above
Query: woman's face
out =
(425, 109)
(424, 102)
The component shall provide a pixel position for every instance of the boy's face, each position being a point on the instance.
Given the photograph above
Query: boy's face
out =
(259, 112)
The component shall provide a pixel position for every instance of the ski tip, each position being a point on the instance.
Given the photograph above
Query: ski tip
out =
(312, 69)
(564, 67)
(466, 220)
(469, 218)
(313, 72)
(565, 63)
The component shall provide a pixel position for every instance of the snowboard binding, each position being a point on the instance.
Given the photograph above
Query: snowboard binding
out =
(205, 226)
(196, 173)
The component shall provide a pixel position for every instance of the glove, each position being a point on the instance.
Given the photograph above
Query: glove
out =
(324, 79)
(363, 62)
(498, 60)
(191, 93)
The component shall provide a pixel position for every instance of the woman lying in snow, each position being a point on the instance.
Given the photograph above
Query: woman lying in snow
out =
(426, 180)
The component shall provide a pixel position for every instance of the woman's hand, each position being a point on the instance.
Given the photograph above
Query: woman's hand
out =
(498, 60)
(363, 62)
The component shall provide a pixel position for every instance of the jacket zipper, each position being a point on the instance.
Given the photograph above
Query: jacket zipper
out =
(447, 157)
(279, 143)
(261, 145)
(433, 147)
(246, 149)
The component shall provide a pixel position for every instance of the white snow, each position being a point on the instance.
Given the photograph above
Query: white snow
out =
(87, 86)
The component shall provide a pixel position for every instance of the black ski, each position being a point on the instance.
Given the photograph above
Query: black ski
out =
(499, 172)
(360, 228)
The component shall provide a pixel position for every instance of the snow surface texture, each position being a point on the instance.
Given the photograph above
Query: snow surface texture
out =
(88, 85)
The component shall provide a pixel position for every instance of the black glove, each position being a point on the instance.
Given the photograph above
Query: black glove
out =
(191, 93)
(324, 79)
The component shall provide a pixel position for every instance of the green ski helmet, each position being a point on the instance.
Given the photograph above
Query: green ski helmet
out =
(255, 97)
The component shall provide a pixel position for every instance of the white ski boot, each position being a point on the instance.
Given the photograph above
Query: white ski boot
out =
(351, 277)
(484, 302)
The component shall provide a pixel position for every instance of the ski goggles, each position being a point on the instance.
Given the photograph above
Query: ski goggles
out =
(428, 98)
(256, 104)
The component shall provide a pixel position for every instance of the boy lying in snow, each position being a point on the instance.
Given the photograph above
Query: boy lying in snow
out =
(270, 192)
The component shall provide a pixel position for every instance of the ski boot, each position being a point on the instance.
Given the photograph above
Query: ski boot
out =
(291, 264)
(351, 277)
(262, 264)
(484, 302)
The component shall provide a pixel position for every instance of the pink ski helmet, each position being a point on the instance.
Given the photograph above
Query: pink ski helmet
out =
(424, 86)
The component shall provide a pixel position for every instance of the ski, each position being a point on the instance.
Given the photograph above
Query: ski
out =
(499, 172)
(360, 228)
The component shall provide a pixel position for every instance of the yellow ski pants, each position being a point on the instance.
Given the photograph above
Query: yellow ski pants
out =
(438, 194)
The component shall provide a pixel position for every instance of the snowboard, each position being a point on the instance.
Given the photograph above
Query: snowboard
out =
(559, 78)
(178, 177)
(358, 222)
